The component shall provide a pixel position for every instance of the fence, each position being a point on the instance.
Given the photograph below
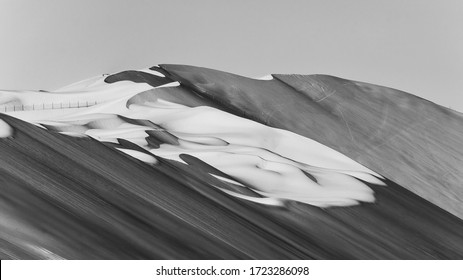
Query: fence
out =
(47, 106)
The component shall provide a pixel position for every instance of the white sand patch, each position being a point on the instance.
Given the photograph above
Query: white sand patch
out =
(34, 105)
(278, 164)
(260, 200)
(173, 84)
(74, 134)
(122, 132)
(5, 129)
(139, 155)
(161, 103)
(268, 160)
(265, 78)
(227, 180)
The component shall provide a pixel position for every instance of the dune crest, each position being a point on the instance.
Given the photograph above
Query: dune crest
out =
(146, 121)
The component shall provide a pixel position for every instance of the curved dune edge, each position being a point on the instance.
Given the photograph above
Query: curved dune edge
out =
(270, 162)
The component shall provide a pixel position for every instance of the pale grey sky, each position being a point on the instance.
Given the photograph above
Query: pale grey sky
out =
(412, 45)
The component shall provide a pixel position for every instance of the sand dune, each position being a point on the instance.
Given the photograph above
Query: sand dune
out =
(407, 139)
(275, 163)
(186, 162)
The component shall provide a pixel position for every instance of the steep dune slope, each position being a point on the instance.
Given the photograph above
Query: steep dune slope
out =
(70, 197)
(407, 139)
(411, 141)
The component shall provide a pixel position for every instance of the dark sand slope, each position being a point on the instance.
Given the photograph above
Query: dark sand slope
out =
(79, 199)
(412, 141)
(137, 77)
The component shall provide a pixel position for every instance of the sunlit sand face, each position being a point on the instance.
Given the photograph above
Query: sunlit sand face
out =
(277, 164)
(5, 129)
